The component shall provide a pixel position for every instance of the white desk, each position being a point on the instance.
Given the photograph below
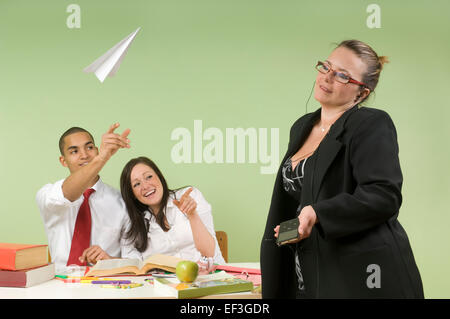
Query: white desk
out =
(57, 289)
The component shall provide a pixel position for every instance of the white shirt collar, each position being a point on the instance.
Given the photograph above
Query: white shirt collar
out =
(170, 211)
(98, 186)
(170, 200)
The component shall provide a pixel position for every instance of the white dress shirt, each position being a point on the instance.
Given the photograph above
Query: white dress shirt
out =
(178, 241)
(108, 214)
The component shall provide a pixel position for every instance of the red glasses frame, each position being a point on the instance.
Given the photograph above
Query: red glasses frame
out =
(350, 79)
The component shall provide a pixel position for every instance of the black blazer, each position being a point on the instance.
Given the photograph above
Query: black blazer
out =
(354, 186)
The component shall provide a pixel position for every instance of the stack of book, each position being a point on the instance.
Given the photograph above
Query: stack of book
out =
(23, 265)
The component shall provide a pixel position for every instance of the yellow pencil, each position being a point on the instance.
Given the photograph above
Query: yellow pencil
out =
(88, 281)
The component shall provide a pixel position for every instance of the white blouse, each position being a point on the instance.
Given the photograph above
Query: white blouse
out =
(178, 240)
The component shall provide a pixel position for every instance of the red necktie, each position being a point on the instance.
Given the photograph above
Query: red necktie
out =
(82, 234)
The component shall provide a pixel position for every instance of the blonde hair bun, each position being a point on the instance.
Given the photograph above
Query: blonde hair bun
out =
(383, 59)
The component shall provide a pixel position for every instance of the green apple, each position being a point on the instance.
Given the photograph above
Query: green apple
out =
(187, 271)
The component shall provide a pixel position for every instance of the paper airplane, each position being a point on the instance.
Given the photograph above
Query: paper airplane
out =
(108, 63)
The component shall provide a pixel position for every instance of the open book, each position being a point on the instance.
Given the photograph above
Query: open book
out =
(109, 267)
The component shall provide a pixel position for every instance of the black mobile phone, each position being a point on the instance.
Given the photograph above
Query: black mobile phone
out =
(288, 232)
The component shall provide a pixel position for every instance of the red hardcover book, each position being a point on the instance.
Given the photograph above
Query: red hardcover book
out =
(22, 256)
(27, 277)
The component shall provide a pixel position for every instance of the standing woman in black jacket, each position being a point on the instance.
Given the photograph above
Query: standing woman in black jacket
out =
(341, 177)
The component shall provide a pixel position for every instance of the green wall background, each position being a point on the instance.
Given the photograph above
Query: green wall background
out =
(230, 64)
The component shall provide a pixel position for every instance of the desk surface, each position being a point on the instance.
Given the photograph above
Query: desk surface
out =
(57, 289)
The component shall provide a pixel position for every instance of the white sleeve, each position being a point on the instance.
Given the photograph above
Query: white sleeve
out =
(127, 249)
(204, 211)
(50, 199)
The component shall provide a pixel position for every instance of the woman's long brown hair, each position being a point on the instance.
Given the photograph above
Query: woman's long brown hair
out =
(136, 210)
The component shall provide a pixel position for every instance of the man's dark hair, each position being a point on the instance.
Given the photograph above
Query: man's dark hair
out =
(71, 130)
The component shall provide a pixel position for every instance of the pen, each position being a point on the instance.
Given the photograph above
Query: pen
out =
(89, 281)
(111, 282)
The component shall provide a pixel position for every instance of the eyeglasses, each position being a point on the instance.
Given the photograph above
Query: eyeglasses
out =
(338, 76)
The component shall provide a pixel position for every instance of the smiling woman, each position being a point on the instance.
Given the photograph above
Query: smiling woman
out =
(147, 187)
(136, 176)
(341, 178)
(165, 221)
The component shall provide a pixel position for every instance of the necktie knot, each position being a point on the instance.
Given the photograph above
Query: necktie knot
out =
(88, 192)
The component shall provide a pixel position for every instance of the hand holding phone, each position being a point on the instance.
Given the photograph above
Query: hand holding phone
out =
(296, 229)
(288, 232)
